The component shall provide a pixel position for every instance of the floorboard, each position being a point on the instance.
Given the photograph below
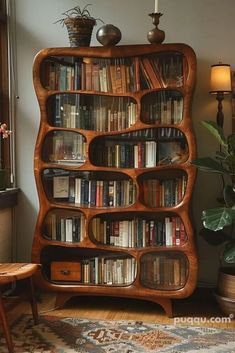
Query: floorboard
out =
(198, 307)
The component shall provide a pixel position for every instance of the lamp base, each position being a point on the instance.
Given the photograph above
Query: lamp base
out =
(220, 114)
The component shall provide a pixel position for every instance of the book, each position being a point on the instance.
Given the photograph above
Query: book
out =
(61, 186)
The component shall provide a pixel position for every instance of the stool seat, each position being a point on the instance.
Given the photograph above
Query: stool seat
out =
(11, 272)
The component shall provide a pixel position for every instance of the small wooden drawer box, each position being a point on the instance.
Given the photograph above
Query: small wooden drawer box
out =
(65, 271)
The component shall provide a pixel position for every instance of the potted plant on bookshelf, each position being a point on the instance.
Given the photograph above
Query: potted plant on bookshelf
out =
(5, 133)
(219, 222)
(79, 23)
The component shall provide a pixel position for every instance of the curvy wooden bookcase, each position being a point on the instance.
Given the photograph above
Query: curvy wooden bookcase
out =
(113, 173)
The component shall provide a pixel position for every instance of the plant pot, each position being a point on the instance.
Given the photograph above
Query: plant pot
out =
(226, 282)
(2, 179)
(79, 31)
(227, 305)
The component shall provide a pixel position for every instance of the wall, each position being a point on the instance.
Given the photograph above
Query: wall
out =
(207, 25)
(6, 231)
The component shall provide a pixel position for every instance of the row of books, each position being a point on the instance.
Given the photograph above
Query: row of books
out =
(138, 232)
(118, 75)
(108, 271)
(165, 108)
(164, 193)
(163, 271)
(101, 113)
(70, 229)
(147, 154)
(104, 193)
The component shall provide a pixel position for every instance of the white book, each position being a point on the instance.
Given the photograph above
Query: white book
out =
(69, 229)
(168, 229)
(125, 237)
(135, 156)
(78, 190)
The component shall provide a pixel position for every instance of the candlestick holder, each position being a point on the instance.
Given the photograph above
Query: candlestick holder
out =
(156, 35)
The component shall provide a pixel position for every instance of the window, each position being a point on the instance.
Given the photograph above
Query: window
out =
(5, 145)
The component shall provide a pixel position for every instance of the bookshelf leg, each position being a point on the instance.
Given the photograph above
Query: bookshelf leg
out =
(166, 304)
(62, 298)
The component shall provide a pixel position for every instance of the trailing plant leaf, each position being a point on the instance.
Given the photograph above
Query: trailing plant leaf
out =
(216, 131)
(209, 164)
(229, 196)
(217, 218)
(214, 238)
(220, 154)
(230, 162)
(231, 144)
(229, 253)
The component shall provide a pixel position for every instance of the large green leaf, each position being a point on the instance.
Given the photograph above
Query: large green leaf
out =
(217, 218)
(209, 164)
(229, 196)
(214, 238)
(229, 253)
(216, 131)
(229, 161)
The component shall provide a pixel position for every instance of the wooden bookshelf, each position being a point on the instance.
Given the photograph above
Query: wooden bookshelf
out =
(113, 173)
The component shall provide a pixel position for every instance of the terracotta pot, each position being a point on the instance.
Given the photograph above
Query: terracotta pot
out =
(227, 305)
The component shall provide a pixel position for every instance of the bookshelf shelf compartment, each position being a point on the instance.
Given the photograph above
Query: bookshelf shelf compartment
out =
(114, 75)
(89, 188)
(91, 112)
(95, 268)
(164, 271)
(115, 133)
(64, 147)
(162, 107)
(64, 226)
(158, 189)
(144, 148)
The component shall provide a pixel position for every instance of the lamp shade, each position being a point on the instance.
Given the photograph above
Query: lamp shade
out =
(220, 78)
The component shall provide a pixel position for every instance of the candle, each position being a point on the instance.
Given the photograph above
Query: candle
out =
(156, 6)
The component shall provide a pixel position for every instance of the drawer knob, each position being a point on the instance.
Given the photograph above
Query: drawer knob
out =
(65, 272)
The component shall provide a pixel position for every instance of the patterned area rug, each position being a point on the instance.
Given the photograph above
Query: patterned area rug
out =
(70, 335)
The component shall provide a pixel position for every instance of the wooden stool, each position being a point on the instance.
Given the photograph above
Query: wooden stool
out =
(11, 272)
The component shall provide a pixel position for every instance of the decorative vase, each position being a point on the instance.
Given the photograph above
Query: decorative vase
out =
(156, 35)
(80, 31)
(2, 179)
(108, 35)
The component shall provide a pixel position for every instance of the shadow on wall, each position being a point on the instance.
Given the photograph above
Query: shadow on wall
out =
(26, 221)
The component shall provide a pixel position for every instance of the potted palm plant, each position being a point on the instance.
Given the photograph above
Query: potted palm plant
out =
(79, 23)
(219, 222)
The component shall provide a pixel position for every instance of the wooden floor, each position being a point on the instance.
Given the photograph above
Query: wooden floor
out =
(200, 306)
